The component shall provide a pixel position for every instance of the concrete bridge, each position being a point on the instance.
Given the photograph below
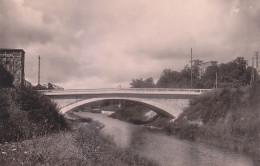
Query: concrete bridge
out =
(162, 101)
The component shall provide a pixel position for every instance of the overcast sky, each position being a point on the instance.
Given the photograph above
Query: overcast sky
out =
(105, 43)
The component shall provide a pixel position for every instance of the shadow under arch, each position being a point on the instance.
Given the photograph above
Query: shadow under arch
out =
(155, 106)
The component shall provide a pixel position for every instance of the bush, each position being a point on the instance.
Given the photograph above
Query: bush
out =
(26, 113)
(213, 105)
(230, 119)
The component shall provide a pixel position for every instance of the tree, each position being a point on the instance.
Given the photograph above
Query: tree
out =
(169, 79)
(6, 79)
(149, 83)
(208, 79)
(140, 83)
(231, 74)
(137, 83)
(234, 73)
(186, 77)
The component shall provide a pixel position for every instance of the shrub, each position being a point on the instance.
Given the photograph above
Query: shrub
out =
(26, 113)
(230, 119)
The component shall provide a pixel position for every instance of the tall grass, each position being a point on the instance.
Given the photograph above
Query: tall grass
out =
(25, 113)
(224, 117)
(84, 146)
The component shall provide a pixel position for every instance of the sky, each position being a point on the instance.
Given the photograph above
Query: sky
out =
(107, 43)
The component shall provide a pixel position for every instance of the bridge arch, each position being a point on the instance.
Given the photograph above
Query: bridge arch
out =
(156, 107)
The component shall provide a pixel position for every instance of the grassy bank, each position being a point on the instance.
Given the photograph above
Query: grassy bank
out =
(84, 146)
(25, 113)
(32, 132)
(227, 118)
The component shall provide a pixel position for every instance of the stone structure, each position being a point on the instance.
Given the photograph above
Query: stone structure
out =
(202, 66)
(13, 61)
(161, 100)
(196, 62)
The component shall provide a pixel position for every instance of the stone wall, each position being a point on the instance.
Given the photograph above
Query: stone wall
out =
(13, 61)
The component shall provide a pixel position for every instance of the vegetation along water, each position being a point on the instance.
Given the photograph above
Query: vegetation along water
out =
(32, 132)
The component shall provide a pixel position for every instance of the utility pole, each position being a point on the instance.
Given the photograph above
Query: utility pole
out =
(252, 72)
(216, 80)
(256, 57)
(191, 68)
(39, 70)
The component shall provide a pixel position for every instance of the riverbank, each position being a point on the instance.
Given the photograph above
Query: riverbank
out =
(135, 114)
(167, 150)
(32, 132)
(82, 146)
(227, 118)
(25, 114)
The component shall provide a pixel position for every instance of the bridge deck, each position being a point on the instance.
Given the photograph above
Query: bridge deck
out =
(125, 91)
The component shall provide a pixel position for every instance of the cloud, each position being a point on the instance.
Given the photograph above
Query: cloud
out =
(88, 44)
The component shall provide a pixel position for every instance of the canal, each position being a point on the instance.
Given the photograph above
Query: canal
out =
(167, 150)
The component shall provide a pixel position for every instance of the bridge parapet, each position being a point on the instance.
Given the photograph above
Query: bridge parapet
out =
(125, 90)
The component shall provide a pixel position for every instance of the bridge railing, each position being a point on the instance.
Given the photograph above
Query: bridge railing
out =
(125, 90)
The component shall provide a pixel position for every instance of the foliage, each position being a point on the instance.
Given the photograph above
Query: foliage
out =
(26, 113)
(235, 73)
(169, 79)
(209, 78)
(140, 83)
(133, 113)
(6, 79)
(42, 87)
(225, 117)
(39, 87)
(228, 75)
(213, 105)
(85, 146)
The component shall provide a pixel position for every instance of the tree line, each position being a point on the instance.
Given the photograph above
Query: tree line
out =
(235, 73)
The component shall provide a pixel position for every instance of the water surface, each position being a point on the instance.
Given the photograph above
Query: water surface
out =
(168, 150)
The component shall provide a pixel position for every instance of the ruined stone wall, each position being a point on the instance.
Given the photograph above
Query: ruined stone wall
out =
(13, 61)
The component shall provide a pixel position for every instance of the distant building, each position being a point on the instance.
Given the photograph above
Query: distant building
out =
(204, 65)
(13, 61)
(196, 62)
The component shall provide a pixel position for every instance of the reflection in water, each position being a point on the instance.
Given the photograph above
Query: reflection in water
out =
(168, 150)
